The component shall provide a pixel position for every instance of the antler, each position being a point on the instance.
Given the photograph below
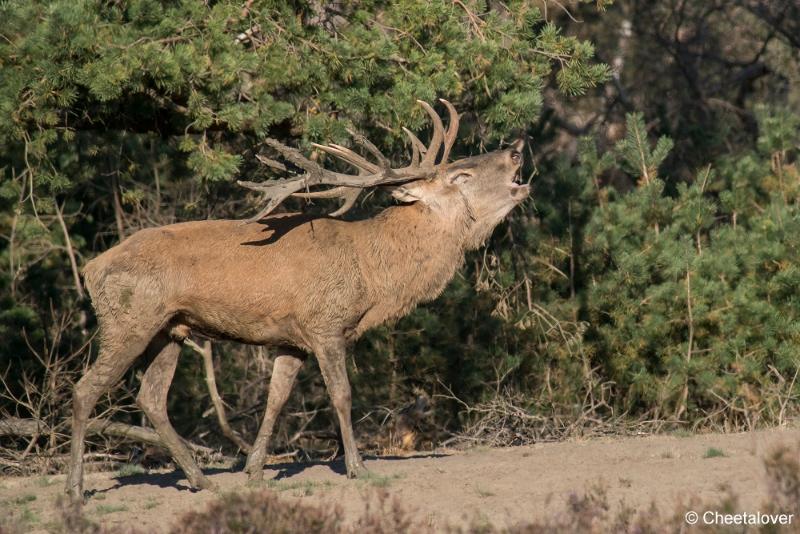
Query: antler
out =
(370, 174)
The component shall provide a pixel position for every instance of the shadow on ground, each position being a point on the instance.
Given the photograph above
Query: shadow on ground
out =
(177, 480)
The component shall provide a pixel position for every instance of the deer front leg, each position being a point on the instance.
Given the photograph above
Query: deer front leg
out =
(332, 363)
(284, 372)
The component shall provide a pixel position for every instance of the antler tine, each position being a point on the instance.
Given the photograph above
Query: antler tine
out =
(294, 155)
(350, 198)
(438, 135)
(345, 154)
(276, 190)
(349, 194)
(336, 192)
(269, 162)
(417, 147)
(452, 129)
(383, 161)
(279, 190)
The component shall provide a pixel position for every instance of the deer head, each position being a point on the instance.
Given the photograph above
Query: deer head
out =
(478, 190)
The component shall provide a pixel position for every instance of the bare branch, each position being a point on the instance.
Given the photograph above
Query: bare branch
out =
(70, 252)
(211, 381)
(13, 426)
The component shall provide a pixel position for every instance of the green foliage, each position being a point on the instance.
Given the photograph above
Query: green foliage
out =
(690, 296)
(180, 70)
(129, 470)
(623, 287)
(780, 131)
(712, 452)
(636, 155)
(133, 114)
(668, 302)
(105, 509)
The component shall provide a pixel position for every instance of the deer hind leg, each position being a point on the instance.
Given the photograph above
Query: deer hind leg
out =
(332, 363)
(284, 372)
(152, 400)
(119, 348)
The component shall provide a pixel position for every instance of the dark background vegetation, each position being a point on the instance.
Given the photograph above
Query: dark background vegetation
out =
(651, 282)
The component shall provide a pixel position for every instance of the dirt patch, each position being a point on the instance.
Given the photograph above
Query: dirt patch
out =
(502, 486)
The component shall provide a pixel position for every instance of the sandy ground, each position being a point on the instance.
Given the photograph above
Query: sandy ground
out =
(503, 486)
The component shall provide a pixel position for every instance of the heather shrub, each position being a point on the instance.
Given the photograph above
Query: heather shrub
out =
(260, 512)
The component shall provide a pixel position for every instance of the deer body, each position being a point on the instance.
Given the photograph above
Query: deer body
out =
(303, 285)
(287, 281)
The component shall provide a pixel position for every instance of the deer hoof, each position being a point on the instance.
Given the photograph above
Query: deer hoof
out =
(357, 471)
(203, 483)
(75, 494)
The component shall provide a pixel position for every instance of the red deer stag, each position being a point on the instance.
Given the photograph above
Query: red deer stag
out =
(300, 284)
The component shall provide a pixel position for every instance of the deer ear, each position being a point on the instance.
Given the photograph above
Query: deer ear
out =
(405, 193)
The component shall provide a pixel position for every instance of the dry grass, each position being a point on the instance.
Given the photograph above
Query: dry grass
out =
(507, 419)
(267, 511)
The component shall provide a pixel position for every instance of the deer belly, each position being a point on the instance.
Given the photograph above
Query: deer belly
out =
(241, 325)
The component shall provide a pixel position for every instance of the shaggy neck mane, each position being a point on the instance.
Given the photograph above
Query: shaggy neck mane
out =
(409, 255)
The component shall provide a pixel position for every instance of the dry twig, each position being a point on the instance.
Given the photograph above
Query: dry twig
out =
(207, 355)
(13, 426)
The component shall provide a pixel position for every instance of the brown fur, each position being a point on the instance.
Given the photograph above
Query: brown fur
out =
(244, 282)
(304, 285)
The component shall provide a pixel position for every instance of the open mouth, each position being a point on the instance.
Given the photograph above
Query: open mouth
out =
(519, 190)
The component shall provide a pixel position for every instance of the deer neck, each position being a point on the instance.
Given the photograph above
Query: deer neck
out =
(410, 256)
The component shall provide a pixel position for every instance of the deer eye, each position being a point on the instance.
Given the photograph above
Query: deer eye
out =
(516, 157)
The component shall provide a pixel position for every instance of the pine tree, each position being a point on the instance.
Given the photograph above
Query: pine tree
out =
(120, 115)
